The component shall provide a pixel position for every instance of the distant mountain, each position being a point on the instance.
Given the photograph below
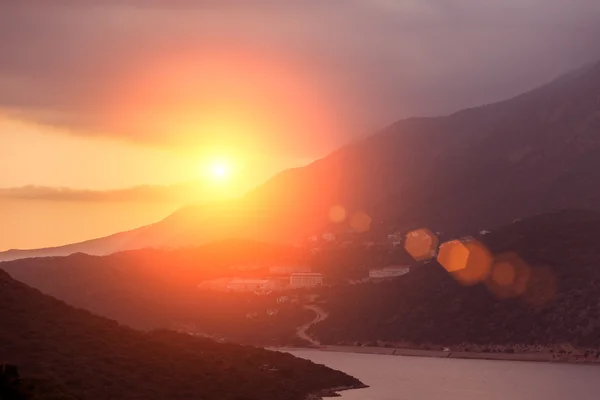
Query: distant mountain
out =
(550, 298)
(151, 288)
(100, 246)
(95, 358)
(157, 289)
(475, 169)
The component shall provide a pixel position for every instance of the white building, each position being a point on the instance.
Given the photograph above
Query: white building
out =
(247, 285)
(395, 239)
(313, 238)
(328, 237)
(388, 272)
(251, 315)
(288, 269)
(258, 286)
(306, 279)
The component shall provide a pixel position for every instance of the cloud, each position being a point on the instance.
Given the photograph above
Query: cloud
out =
(178, 194)
(69, 63)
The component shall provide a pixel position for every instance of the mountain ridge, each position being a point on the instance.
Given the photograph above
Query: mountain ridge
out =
(532, 153)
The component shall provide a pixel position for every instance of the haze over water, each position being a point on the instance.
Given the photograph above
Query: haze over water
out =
(416, 378)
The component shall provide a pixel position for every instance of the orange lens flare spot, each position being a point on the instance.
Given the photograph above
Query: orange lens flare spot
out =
(453, 255)
(504, 274)
(360, 222)
(337, 214)
(467, 260)
(421, 244)
(478, 266)
(510, 276)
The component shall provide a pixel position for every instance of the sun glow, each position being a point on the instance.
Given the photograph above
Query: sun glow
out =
(219, 170)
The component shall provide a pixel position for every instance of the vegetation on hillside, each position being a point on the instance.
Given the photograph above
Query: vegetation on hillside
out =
(426, 308)
(14, 387)
(560, 303)
(96, 358)
(151, 289)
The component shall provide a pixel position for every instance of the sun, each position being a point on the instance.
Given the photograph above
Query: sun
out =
(219, 170)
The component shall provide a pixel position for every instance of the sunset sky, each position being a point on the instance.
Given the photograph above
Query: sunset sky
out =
(114, 113)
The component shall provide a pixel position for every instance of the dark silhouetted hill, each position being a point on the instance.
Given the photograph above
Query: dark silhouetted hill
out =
(559, 302)
(15, 387)
(95, 358)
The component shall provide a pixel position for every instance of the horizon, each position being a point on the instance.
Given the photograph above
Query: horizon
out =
(101, 139)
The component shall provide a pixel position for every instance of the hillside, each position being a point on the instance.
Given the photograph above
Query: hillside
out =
(13, 386)
(559, 303)
(95, 358)
(151, 289)
(428, 307)
(478, 168)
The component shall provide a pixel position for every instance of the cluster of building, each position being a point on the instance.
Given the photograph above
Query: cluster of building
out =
(280, 278)
(348, 239)
(325, 237)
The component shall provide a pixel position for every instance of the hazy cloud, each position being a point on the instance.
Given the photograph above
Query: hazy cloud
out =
(387, 59)
(179, 194)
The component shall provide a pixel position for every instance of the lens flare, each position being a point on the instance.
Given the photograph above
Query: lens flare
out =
(337, 214)
(360, 222)
(421, 244)
(453, 255)
(467, 260)
(509, 277)
(478, 266)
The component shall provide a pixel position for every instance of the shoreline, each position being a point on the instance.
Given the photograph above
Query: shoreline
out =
(465, 355)
(333, 392)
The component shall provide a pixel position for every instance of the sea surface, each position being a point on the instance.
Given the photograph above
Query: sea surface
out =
(420, 378)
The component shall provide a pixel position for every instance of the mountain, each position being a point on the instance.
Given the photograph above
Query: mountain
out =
(153, 288)
(96, 358)
(157, 288)
(553, 300)
(100, 246)
(475, 169)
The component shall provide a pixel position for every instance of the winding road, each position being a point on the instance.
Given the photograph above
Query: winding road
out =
(301, 332)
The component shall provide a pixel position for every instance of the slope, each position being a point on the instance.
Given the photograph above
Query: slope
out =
(95, 358)
(559, 303)
(478, 168)
(151, 288)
